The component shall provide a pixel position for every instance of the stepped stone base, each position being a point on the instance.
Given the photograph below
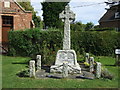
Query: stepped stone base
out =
(66, 56)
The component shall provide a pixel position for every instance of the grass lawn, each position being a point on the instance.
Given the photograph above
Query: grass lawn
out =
(13, 65)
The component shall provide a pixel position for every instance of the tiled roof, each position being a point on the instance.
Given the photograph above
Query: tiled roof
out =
(110, 14)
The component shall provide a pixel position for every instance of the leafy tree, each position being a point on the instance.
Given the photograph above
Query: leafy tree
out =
(89, 26)
(51, 12)
(78, 26)
(27, 6)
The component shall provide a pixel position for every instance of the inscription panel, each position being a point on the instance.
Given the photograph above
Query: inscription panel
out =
(68, 57)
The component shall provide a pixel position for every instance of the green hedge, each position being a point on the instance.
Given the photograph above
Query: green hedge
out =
(32, 42)
(47, 43)
(98, 43)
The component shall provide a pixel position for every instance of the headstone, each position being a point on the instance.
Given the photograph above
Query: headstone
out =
(91, 64)
(32, 68)
(98, 70)
(66, 55)
(38, 58)
(65, 70)
(87, 57)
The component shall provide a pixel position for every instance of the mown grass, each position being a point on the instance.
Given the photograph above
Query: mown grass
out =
(13, 65)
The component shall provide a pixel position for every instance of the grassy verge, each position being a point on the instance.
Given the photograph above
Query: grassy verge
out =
(13, 65)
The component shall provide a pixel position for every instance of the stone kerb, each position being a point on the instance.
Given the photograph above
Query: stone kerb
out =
(32, 68)
(98, 70)
(38, 58)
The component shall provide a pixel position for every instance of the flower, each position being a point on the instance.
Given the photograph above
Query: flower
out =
(86, 64)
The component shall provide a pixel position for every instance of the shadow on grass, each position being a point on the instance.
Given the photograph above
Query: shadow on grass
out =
(24, 73)
(110, 65)
(19, 62)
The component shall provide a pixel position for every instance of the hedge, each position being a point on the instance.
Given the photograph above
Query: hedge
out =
(46, 43)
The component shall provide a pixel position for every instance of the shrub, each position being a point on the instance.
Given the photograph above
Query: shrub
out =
(97, 43)
(32, 42)
(46, 43)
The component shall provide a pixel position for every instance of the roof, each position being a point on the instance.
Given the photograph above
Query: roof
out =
(110, 14)
(22, 7)
(18, 6)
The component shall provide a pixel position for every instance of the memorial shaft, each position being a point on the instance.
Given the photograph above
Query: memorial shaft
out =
(66, 41)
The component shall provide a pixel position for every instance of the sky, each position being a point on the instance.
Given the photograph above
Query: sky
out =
(83, 13)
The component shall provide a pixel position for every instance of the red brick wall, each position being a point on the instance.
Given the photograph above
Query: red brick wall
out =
(21, 18)
(22, 21)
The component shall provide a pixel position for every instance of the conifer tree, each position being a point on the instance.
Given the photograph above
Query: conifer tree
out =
(51, 11)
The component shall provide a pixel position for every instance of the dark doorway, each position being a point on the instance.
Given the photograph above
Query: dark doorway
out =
(7, 25)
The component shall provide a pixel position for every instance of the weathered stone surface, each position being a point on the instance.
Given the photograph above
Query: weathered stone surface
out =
(87, 57)
(32, 68)
(68, 56)
(65, 70)
(38, 58)
(91, 64)
(68, 16)
(98, 70)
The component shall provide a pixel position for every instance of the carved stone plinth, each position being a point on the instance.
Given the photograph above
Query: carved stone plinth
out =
(68, 56)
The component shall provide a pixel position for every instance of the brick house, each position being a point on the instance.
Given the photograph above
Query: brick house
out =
(111, 18)
(13, 17)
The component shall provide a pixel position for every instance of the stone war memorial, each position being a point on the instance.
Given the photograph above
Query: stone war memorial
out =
(66, 55)
(61, 51)
(66, 65)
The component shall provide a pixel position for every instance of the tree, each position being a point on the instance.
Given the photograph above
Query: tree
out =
(78, 26)
(27, 6)
(89, 26)
(51, 11)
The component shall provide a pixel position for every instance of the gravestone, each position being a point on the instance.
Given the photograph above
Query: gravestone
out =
(38, 58)
(91, 64)
(98, 70)
(66, 55)
(65, 70)
(87, 57)
(32, 68)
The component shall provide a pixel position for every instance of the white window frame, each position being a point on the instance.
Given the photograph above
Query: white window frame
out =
(7, 4)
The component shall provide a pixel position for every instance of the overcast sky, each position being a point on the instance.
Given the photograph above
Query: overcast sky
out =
(85, 13)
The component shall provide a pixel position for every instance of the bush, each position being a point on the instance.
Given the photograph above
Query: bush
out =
(46, 43)
(97, 43)
(33, 42)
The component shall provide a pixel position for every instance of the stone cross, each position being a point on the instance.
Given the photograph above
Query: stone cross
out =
(67, 16)
(32, 68)
(38, 58)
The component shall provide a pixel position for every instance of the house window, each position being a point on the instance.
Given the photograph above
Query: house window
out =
(117, 15)
(7, 4)
(7, 20)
